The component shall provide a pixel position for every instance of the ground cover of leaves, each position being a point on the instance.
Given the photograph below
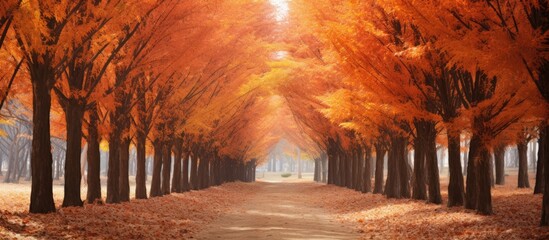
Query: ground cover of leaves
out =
(175, 216)
(517, 214)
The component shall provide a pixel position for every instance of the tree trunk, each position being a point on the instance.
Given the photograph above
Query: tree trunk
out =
(340, 169)
(404, 174)
(41, 200)
(166, 167)
(380, 158)
(539, 187)
(331, 162)
(331, 167)
(350, 158)
(544, 144)
(94, 159)
(157, 169)
(324, 167)
(316, 175)
(431, 164)
(176, 179)
(523, 165)
(213, 170)
(357, 168)
(499, 157)
(185, 175)
(418, 182)
(484, 195)
(124, 184)
(456, 192)
(203, 171)
(194, 171)
(254, 168)
(345, 169)
(471, 187)
(366, 173)
(141, 175)
(492, 178)
(113, 181)
(392, 187)
(73, 117)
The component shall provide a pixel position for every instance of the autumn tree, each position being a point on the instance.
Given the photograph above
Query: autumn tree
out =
(40, 39)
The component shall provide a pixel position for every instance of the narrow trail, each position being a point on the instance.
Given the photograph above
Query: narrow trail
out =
(278, 211)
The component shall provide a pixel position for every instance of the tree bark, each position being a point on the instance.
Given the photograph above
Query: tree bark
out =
(331, 167)
(124, 184)
(185, 175)
(456, 192)
(340, 169)
(176, 179)
(471, 187)
(392, 187)
(483, 188)
(41, 200)
(358, 168)
(73, 117)
(523, 165)
(347, 169)
(157, 169)
(380, 158)
(94, 158)
(331, 162)
(316, 175)
(492, 178)
(166, 167)
(141, 175)
(203, 171)
(366, 173)
(113, 181)
(544, 141)
(194, 171)
(431, 164)
(418, 182)
(404, 174)
(499, 158)
(324, 167)
(540, 183)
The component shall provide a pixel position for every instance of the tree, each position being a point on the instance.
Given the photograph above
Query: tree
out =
(40, 38)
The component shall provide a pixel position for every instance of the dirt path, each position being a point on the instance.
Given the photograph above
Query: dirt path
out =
(278, 211)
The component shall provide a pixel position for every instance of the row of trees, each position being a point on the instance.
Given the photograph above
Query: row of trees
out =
(170, 77)
(376, 78)
(360, 80)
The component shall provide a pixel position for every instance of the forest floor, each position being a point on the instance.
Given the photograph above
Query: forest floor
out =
(276, 209)
(176, 216)
(516, 214)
